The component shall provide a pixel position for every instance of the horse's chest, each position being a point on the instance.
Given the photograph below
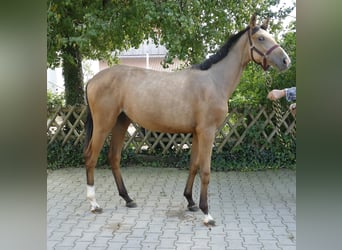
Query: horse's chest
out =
(213, 113)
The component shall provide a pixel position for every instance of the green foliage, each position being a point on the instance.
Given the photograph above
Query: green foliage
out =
(69, 155)
(59, 156)
(54, 100)
(245, 157)
(248, 157)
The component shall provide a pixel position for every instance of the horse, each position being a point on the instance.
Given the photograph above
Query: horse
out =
(192, 100)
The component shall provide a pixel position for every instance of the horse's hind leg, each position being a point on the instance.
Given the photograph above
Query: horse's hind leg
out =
(114, 156)
(92, 154)
(100, 124)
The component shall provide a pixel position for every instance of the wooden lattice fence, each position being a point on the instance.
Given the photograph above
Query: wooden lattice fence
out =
(66, 124)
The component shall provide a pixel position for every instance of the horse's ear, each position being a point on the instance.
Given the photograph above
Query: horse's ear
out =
(264, 25)
(252, 22)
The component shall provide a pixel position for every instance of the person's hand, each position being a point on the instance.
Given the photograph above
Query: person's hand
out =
(276, 94)
(293, 109)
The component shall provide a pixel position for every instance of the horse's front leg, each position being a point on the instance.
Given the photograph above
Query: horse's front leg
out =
(205, 143)
(194, 164)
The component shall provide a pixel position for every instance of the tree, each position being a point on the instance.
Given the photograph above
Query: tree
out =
(98, 29)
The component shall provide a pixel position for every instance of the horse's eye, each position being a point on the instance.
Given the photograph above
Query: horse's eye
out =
(261, 38)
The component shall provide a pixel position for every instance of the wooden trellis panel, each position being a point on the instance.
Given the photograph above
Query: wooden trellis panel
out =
(67, 125)
(142, 139)
(242, 123)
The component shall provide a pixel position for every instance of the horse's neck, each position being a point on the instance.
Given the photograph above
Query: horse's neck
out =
(227, 73)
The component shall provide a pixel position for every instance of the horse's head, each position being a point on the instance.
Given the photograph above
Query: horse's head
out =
(263, 48)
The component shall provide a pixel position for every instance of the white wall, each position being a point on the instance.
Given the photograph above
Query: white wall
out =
(55, 80)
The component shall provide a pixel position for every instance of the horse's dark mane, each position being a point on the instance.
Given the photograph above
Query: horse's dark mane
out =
(221, 53)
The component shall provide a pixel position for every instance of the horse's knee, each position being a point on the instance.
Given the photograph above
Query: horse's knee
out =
(90, 164)
(205, 176)
(205, 173)
(90, 160)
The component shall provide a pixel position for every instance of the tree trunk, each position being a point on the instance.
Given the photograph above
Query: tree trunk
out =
(73, 75)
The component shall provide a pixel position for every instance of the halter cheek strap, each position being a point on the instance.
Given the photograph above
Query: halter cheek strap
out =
(264, 56)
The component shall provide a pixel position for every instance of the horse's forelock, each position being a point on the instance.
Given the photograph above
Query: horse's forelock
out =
(255, 29)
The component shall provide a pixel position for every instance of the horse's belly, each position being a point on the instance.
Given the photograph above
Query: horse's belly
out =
(161, 118)
(166, 128)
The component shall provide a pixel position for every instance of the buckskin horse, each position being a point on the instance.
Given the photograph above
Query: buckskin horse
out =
(192, 100)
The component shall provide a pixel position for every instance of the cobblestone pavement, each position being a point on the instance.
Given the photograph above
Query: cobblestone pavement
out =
(253, 210)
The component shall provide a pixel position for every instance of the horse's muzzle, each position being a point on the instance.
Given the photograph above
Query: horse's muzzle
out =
(280, 60)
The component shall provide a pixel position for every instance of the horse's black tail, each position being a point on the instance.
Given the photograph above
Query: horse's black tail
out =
(88, 124)
(88, 129)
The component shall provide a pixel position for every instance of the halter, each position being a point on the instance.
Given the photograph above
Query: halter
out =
(264, 56)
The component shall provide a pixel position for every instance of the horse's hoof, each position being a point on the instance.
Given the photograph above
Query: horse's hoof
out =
(209, 223)
(193, 208)
(131, 204)
(208, 220)
(97, 210)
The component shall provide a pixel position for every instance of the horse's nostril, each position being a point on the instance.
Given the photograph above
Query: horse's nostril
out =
(287, 61)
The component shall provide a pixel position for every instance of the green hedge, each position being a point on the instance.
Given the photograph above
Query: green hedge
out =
(245, 157)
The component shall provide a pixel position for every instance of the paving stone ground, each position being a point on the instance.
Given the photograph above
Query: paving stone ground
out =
(253, 210)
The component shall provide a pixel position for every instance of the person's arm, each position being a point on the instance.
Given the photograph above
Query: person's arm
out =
(290, 94)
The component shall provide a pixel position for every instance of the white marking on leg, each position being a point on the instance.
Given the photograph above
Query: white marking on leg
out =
(91, 197)
(208, 219)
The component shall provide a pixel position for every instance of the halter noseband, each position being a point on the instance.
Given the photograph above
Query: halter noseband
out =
(264, 56)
